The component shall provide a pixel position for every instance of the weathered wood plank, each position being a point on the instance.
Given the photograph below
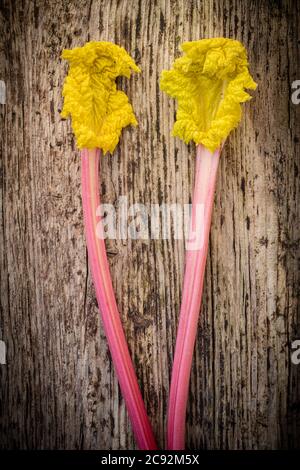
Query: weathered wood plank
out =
(58, 389)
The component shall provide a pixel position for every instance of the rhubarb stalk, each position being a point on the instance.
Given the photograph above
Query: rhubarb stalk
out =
(205, 179)
(107, 302)
(209, 82)
(99, 112)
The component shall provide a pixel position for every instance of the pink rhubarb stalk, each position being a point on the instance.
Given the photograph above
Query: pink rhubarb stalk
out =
(107, 303)
(205, 179)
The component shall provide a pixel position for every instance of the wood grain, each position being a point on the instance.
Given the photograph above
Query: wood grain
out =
(58, 388)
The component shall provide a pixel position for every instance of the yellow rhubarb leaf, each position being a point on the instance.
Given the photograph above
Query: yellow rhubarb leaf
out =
(209, 82)
(98, 110)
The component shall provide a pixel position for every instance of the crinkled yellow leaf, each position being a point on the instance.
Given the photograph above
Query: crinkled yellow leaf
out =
(209, 82)
(99, 111)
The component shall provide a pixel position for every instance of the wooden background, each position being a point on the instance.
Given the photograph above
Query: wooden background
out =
(58, 388)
